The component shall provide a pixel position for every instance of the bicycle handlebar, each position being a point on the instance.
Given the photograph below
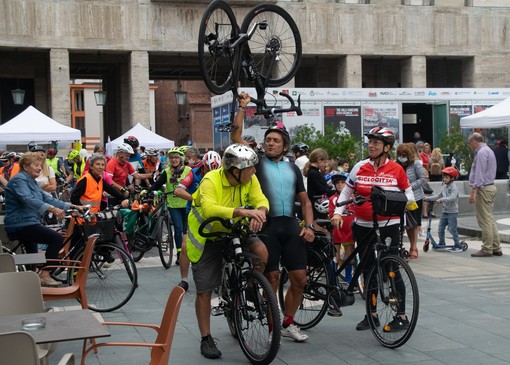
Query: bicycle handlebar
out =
(86, 215)
(237, 228)
(226, 223)
(357, 200)
(263, 109)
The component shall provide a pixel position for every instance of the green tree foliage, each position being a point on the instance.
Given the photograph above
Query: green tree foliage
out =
(336, 145)
(456, 142)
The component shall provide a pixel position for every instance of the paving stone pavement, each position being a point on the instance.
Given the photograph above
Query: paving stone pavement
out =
(464, 319)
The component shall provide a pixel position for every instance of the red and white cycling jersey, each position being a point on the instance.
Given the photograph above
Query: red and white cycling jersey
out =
(364, 176)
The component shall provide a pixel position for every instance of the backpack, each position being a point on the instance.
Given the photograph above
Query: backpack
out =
(435, 168)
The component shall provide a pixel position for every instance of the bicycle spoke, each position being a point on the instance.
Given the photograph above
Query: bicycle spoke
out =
(394, 297)
(217, 30)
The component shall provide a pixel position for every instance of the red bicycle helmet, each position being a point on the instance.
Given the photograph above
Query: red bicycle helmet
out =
(450, 171)
(384, 134)
(52, 152)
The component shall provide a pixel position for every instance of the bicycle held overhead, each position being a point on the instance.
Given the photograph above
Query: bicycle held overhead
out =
(267, 48)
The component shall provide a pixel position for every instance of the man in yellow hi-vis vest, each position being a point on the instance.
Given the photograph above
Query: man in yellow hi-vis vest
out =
(223, 193)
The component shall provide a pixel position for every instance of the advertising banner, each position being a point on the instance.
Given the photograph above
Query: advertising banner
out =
(344, 116)
(381, 114)
(312, 116)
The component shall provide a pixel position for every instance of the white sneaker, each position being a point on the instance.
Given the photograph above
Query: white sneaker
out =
(455, 249)
(293, 332)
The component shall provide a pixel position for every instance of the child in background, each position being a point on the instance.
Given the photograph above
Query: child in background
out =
(342, 235)
(449, 197)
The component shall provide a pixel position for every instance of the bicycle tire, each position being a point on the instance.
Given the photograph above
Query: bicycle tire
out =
(280, 36)
(218, 28)
(165, 241)
(396, 272)
(112, 277)
(253, 317)
(314, 304)
(135, 247)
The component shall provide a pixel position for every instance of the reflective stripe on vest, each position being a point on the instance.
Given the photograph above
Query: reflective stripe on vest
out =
(196, 240)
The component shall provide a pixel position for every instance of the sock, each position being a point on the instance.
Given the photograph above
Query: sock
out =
(348, 274)
(287, 321)
(184, 279)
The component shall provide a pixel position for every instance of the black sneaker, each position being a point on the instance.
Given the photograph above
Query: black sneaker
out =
(208, 348)
(398, 324)
(364, 325)
(184, 284)
(177, 259)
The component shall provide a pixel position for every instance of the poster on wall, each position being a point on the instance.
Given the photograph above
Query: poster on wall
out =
(312, 117)
(255, 125)
(344, 116)
(381, 114)
(221, 117)
(460, 109)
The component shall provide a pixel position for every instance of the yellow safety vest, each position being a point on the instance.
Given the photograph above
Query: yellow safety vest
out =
(227, 198)
(173, 201)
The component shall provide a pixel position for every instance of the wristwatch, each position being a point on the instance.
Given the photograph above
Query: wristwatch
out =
(311, 226)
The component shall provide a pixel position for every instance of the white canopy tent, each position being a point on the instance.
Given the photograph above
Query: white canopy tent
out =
(496, 116)
(146, 138)
(33, 126)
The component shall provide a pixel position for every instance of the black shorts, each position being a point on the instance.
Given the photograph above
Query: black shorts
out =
(281, 237)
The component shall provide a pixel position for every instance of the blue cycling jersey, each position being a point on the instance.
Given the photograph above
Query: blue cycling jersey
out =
(280, 182)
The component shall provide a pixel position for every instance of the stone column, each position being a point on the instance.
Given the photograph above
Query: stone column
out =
(59, 86)
(139, 88)
(349, 71)
(414, 72)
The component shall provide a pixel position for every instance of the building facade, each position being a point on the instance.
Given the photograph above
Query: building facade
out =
(46, 44)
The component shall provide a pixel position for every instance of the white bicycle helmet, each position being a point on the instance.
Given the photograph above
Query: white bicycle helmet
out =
(124, 147)
(239, 156)
(151, 151)
(322, 205)
(212, 160)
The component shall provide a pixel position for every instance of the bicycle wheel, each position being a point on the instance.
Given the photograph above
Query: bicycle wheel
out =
(275, 48)
(398, 295)
(253, 315)
(165, 240)
(137, 241)
(314, 304)
(218, 29)
(112, 277)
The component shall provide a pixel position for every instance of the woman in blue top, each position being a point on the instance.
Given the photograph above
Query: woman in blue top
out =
(25, 205)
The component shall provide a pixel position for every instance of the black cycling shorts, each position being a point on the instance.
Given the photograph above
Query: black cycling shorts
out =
(281, 237)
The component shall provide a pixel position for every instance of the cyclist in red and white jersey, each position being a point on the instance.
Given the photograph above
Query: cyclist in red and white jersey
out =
(377, 170)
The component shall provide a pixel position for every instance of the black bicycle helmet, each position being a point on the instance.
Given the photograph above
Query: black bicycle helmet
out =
(339, 176)
(34, 147)
(7, 156)
(251, 140)
(132, 141)
(383, 133)
(300, 147)
(279, 127)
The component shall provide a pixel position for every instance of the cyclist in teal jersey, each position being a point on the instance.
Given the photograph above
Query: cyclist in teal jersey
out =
(281, 183)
